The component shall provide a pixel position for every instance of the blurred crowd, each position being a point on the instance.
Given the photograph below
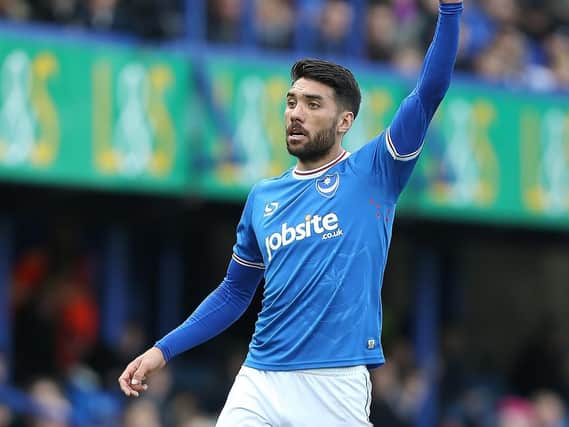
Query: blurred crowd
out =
(532, 393)
(63, 374)
(149, 19)
(513, 42)
(518, 43)
(84, 392)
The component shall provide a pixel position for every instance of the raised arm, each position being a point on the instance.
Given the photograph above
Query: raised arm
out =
(409, 126)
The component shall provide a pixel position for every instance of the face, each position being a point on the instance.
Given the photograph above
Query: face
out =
(313, 120)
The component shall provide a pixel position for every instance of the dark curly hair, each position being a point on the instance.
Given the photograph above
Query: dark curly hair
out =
(339, 78)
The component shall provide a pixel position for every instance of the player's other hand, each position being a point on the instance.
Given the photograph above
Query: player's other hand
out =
(133, 377)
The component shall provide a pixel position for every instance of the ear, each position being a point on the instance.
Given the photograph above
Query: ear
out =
(345, 121)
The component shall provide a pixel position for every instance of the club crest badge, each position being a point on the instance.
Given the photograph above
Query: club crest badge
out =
(328, 185)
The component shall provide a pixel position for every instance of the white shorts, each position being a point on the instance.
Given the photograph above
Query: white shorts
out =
(314, 397)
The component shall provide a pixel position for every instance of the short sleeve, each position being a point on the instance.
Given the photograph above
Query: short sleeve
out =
(385, 168)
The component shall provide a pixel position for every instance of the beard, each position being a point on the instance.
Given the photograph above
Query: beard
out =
(316, 148)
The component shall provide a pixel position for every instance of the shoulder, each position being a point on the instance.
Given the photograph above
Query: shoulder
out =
(368, 150)
(269, 184)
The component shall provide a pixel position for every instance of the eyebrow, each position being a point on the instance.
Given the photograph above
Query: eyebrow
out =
(305, 95)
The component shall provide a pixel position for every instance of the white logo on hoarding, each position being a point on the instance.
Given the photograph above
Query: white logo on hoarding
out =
(133, 134)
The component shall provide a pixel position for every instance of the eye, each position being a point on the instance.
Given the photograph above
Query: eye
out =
(313, 105)
(291, 103)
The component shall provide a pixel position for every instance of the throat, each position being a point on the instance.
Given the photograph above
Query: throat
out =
(308, 165)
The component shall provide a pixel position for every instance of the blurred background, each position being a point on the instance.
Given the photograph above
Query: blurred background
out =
(131, 132)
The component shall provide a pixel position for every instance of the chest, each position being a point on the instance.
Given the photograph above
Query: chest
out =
(320, 213)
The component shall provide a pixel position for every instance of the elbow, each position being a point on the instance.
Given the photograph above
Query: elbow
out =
(432, 95)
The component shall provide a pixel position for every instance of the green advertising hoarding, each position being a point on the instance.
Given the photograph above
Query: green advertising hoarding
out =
(115, 117)
(93, 115)
(495, 156)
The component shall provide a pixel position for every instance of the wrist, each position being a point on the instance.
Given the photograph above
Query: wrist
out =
(159, 353)
(450, 8)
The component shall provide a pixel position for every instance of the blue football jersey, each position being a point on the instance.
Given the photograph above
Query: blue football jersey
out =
(323, 237)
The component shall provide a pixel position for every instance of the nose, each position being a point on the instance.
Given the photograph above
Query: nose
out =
(296, 114)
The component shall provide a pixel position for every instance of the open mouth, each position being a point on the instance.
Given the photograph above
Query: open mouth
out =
(296, 133)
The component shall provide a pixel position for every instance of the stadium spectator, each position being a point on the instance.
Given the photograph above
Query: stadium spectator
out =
(77, 315)
(557, 49)
(386, 391)
(16, 10)
(515, 412)
(536, 21)
(57, 409)
(6, 416)
(334, 25)
(381, 32)
(34, 317)
(274, 23)
(407, 60)
(504, 59)
(102, 15)
(142, 413)
(199, 421)
(503, 13)
(549, 409)
(224, 21)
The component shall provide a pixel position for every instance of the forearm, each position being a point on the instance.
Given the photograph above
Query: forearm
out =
(438, 65)
(216, 313)
(409, 126)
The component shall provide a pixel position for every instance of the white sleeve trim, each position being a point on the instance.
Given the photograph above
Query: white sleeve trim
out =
(393, 151)
(246, 263)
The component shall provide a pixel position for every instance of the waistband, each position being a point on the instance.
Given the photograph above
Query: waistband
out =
(342, 371)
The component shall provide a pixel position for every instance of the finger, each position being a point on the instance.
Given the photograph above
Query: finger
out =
(126, 377)
(124, 383)
(137, 385)
(135, 390)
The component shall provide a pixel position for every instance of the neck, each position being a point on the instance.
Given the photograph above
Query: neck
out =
(315, 164)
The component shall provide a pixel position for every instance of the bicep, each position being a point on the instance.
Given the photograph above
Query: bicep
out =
(408, 128)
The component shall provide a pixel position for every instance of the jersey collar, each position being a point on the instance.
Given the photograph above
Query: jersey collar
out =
(313, 173)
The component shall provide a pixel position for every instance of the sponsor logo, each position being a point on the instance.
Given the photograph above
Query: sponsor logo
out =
(326, 227)
(328, 185)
